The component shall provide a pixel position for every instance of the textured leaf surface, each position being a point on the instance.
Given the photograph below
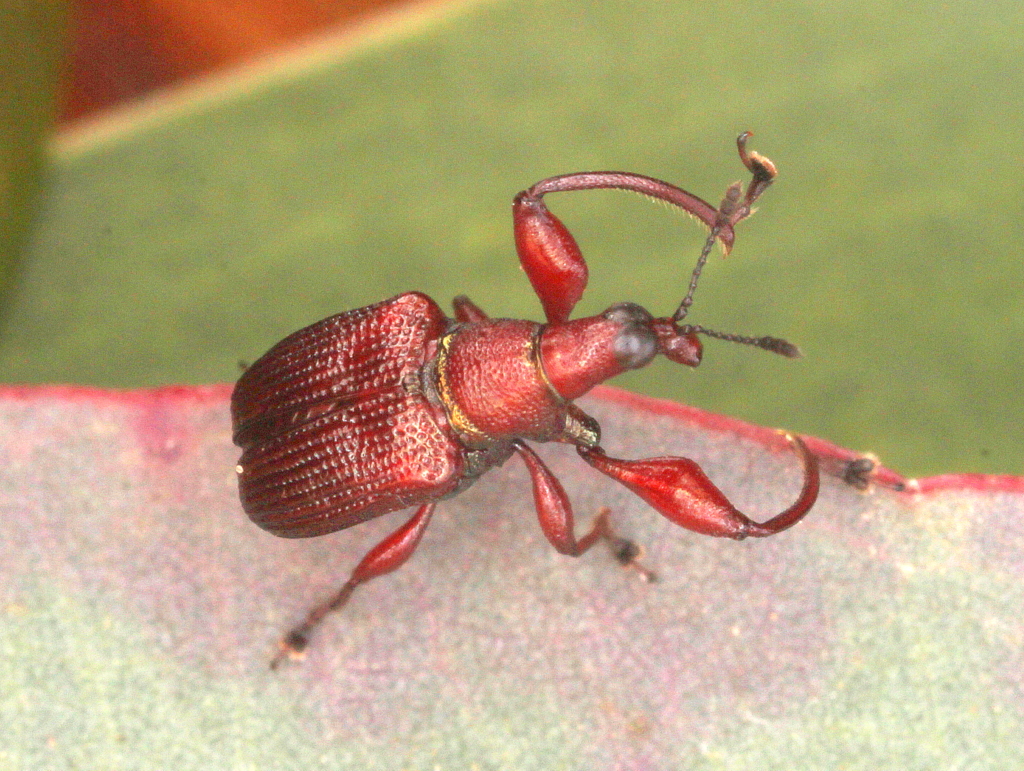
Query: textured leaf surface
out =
(140, 608)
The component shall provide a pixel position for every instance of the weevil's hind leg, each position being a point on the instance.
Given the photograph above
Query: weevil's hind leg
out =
(466, 310)
(554, 511)
(390, 554)
(682, 492)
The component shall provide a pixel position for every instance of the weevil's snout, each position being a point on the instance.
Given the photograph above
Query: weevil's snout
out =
(682, 347)
(577, 355)
(641, 337)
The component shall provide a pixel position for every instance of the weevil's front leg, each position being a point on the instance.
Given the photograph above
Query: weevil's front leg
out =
(682, 492)
(390, 554)
(552, 259)
(550, 255)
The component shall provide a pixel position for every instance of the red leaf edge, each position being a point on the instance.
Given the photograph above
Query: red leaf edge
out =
(831, 455)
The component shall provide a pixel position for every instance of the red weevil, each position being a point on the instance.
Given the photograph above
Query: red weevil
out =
(395, 405)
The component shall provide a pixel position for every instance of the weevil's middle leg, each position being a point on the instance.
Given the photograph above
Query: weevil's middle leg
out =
(554, 511)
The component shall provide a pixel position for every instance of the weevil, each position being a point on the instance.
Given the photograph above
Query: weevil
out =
(397, 406)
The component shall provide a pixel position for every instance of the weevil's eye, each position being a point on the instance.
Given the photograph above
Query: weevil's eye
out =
(636, 343)
(628, 314)
(635, 346)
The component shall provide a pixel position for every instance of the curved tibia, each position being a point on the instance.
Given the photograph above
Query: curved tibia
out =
(682, 492)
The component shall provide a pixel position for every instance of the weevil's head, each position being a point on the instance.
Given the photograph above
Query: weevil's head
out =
(579, 354)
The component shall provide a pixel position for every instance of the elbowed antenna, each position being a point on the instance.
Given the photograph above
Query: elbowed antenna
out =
(729, 212)
(765, 343)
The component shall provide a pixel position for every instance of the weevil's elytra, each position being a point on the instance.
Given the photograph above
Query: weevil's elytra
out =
(395, 405)
(330, 434)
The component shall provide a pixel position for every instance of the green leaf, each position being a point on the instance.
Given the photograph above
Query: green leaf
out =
(31, 37)
(182, 236)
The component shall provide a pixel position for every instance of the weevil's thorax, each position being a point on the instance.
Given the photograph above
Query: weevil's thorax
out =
(487, 376)
(503, 379)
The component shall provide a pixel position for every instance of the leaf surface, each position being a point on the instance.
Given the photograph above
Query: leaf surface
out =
(141, 607)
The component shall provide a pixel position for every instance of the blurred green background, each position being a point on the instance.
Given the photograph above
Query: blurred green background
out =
(173, 241)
